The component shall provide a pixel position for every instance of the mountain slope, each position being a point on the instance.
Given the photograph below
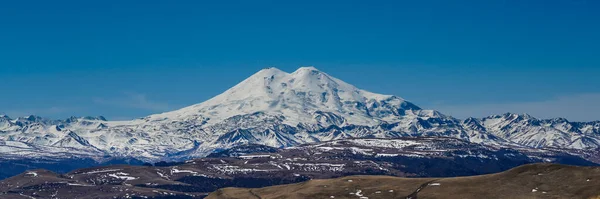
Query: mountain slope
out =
(278, 109)
(296, 97)
(255, 166)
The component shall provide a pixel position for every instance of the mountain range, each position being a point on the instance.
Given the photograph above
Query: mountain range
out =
(255, 166)
(279, 109)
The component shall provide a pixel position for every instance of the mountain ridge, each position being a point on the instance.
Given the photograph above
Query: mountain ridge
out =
(280, 109)
(254, 166)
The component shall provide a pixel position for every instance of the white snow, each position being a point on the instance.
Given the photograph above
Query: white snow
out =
(175, 170)
(230, 169)
(265, 102)
(392, 143)
(102, 171)
(162, 175)
(318, 166)
(122, 176)
(254, 156)
(386, 155)
(80, 185)
(534, 190)
(358, 193)
(34, 174)
(293, 95)
(26, 196)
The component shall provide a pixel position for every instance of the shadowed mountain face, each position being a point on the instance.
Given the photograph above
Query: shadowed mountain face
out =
(526, 182)
(256, 166)
(11, 167)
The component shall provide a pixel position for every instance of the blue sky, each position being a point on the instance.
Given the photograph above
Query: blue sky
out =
(128, 59)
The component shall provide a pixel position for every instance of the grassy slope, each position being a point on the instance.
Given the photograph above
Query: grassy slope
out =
(549, 181)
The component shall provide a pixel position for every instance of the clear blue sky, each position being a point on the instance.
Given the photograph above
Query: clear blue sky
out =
(127, 59)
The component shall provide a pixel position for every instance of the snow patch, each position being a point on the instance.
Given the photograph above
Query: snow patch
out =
(102, 171)
(534, 190)
(247, 157)
(122, 176)
(175, 170)
(80, 185)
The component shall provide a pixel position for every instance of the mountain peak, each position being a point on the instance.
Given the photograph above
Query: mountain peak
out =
(307, 68)
(262, 75)
(297, 96)
(310, 72)
(520, 116)
(32, 118)
(280, 109)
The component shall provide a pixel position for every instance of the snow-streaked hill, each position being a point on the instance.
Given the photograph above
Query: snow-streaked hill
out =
(277, 109)
(257, 166)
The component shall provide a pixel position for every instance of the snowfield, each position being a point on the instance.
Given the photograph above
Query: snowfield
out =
(279, 109)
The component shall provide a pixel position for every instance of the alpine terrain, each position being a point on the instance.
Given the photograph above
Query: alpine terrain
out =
(255, 166)
(277, 109)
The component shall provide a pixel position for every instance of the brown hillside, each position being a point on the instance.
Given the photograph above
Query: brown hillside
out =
(529, 181)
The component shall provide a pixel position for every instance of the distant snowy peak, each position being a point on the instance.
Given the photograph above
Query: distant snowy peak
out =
(298, 96)
(37, 119)
(279, 109)
(527, 130)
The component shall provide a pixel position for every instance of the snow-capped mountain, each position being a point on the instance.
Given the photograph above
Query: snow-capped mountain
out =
(526, 130)
(278, 109)
(306, 96)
